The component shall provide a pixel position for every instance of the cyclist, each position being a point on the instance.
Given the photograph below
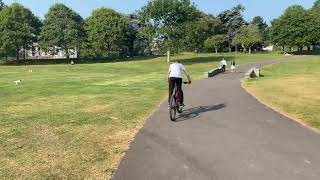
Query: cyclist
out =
(175, 72)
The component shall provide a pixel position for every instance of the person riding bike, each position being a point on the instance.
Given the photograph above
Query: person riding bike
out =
(175, 78)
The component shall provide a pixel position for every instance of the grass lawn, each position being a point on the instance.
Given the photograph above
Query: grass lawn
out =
(292, 88)
(75, 122)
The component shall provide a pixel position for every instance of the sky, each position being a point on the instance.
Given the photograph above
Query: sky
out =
(268, 9)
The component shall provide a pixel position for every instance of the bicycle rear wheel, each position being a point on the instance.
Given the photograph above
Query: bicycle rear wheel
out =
(173, 109)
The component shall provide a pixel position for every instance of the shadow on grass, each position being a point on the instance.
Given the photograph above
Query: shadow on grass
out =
(22, 62)
(196, 111)
(195, 60)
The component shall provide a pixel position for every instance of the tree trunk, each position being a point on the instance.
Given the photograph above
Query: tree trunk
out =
(230, 50)
(236, 48)
(18, 55)
(244, 48)
(66, 49)
(314, 47)
(250, 49)
(24, 54)
(309, 48)
(216, 50)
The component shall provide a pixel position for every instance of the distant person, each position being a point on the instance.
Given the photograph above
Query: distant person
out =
(223, 65)
(175, 78)
(233, 66)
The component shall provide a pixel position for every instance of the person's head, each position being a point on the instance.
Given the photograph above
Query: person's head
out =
(178, 61)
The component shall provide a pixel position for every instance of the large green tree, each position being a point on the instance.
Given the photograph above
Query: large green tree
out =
(214, 42)
(248, 36)
(18, 30)
(167, 17)
(107, 31)
(316, 5)
(262, 25)
(62, 28)
(313, 25)
(195, 33)
(293, 27)
(258, 21)
(232, 20)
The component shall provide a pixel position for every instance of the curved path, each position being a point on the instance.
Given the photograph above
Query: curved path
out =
(223, 134)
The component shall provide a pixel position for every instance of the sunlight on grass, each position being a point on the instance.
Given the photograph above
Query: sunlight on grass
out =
(75, 122)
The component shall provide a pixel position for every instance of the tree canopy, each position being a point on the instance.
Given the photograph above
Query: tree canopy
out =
(293, 27)
(214, 42)
(62, 28)
(316, 4)
(1, 4)
(232, 20)
(248, 36)
(18, 29)
(106, 30)
(168, 17)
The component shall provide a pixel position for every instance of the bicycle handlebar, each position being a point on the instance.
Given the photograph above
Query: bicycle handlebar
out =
(186, 83)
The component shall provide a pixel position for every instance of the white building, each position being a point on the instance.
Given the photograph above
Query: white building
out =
(268, 48)
(36, 52)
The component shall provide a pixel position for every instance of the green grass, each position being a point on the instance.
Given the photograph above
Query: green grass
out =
(292, 88)
(75, 122)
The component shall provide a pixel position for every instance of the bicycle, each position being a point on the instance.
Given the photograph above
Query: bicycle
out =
(175, 105)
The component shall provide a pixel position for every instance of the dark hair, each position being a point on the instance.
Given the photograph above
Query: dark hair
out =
(178, 61)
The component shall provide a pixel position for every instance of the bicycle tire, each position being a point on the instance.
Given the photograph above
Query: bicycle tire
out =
(173, 106)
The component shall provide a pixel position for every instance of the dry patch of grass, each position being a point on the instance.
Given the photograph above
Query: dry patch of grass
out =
(97, 109)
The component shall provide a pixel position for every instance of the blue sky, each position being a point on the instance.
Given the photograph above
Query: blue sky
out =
(269, 9)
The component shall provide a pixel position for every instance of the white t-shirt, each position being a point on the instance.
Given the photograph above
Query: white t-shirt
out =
(224, 62)
(176, 70)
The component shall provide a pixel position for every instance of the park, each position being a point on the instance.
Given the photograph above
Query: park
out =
(87, 98)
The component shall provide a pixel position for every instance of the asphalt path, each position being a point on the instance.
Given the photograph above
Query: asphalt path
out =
(223, 134)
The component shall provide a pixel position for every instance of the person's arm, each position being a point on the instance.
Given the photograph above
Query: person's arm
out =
(169, 71)
(187, 74)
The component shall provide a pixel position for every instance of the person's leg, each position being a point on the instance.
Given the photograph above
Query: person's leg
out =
(179, 89)
(171, 87)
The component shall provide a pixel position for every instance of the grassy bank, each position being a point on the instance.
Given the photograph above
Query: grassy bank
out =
(75, 122)
(292, 88)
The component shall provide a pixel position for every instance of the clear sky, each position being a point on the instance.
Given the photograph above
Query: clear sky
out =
(268, 9)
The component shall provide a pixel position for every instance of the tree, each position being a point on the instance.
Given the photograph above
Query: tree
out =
(258, 21)
(107, 30)
(197, 32)
(167, 17)
(248, 36)
(62, 28)
(313, 28)
(232, 20)
(316, 5)
(18, 30)
(262, 26)
(214, 41)
(293, 27)
(1, 4)
(133, 30)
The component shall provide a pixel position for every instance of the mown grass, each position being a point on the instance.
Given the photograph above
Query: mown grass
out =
(75, 122)
(292, 88)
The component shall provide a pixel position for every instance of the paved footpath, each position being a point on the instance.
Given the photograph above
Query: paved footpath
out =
(223, 134)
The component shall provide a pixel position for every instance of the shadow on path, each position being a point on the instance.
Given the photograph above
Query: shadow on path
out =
(196, 111)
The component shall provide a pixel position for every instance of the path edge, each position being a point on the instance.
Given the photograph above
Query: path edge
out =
(260, 100)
